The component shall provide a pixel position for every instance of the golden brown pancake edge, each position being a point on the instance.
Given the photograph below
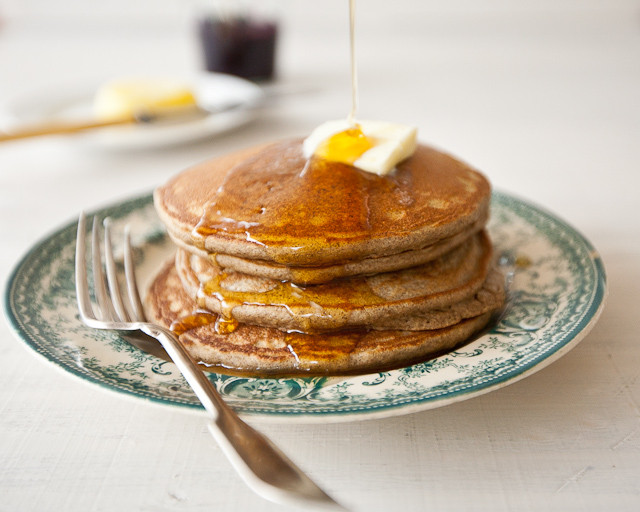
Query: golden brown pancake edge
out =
(428, 290)
(264, 351)
(431, 197)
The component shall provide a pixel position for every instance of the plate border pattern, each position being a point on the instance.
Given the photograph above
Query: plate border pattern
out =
(587, 300)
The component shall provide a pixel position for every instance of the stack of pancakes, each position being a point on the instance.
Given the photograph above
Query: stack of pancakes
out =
(288, 266)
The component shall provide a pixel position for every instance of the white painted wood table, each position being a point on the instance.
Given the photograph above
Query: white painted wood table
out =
(542, 96)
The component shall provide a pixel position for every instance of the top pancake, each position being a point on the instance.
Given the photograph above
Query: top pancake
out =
(269, 203)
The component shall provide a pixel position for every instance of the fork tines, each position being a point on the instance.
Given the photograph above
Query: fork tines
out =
(110, 306)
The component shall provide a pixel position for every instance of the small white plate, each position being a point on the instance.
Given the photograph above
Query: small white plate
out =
(231, 101)
(555, 297)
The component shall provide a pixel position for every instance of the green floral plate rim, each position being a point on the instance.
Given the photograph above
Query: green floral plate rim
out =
(557, 289)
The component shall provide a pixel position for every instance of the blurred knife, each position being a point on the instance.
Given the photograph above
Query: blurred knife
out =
(163, 114)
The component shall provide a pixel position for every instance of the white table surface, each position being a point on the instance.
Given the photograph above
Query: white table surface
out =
(544, 97)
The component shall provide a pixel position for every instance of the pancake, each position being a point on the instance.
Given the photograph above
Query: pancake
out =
(272, 205)
(266, 351)
(293, 266)
(318, 275)
(489, 299)
(357, 301)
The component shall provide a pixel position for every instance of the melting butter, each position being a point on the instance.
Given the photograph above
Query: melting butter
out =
(373, 146)
(346, 146)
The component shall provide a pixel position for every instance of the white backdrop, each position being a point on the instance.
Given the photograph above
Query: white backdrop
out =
(541, 96)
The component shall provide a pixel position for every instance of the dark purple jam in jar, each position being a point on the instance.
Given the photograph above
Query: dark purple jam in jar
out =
(239, 46)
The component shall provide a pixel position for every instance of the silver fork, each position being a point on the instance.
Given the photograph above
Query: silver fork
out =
(257, 460)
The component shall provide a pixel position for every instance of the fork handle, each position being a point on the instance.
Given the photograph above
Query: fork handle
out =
(264, 468)
(195, 377)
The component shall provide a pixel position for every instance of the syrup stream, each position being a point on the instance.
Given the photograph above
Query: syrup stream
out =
(354, 75)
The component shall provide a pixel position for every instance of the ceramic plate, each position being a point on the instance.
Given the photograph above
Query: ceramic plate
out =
(230, 101)
(556, 293)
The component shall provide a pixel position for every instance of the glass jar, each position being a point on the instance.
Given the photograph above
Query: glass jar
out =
(238, 38)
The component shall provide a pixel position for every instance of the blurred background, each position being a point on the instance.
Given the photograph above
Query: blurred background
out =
(502, 84)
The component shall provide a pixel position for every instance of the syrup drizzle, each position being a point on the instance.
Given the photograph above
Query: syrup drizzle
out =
(310, 307)
(349, 145)
(354, 75)
(192, 321)
(294, 201)
(303, 208)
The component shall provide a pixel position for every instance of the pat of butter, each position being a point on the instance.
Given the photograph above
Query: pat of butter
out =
(124, 98)
(373, 146)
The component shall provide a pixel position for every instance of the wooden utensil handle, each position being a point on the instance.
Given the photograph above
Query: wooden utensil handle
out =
(63, 128)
